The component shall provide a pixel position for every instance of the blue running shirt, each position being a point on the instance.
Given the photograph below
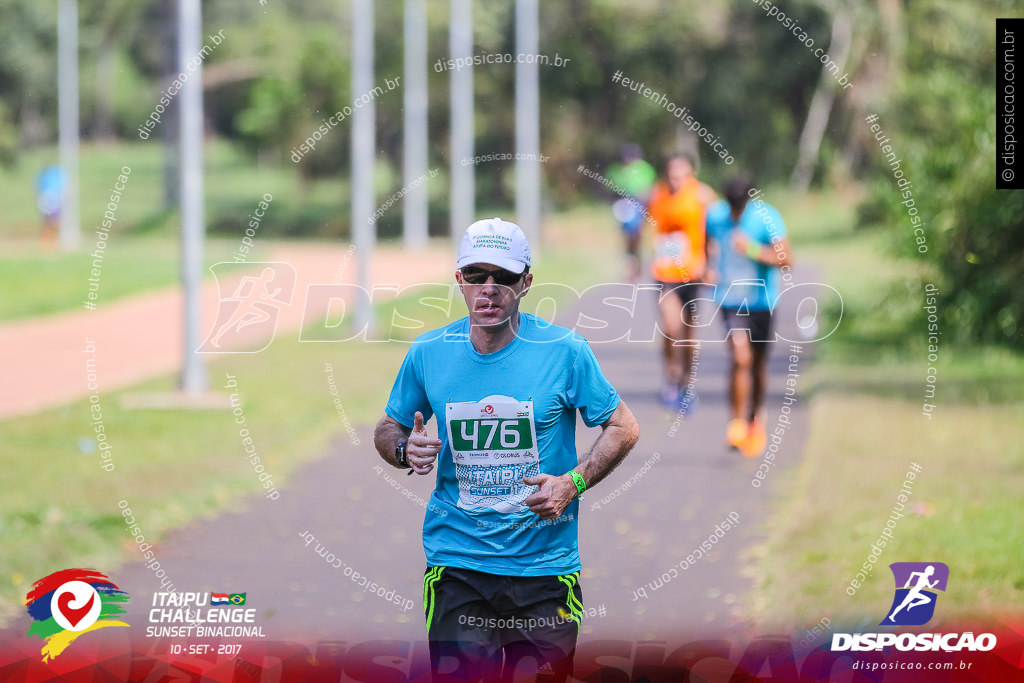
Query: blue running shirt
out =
(743, 282)
(501, 416)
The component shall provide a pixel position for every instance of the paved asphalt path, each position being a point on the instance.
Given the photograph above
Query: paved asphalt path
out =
(355, 512)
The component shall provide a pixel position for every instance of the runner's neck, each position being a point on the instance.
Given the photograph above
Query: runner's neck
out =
(492, 339)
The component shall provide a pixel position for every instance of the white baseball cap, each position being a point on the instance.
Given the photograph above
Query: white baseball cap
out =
(495, 242)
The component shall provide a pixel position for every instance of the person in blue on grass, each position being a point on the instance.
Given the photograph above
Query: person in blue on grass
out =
(501, 587)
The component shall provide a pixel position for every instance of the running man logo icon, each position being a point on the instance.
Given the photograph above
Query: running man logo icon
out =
(247, 316)
(916, 583)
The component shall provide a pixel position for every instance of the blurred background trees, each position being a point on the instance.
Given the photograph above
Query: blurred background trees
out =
(925, 67)
(940, 112)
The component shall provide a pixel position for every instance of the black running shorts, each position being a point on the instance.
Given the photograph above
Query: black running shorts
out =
(480, 624)
(688, 292)
(759, 323)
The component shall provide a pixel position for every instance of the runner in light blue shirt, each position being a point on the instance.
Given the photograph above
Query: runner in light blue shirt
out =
(747, 248)
(509, 414)
(500, 535)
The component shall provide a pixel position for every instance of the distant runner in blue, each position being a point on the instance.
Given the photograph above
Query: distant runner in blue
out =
(50, 190)
(501, 589)
(747, 247)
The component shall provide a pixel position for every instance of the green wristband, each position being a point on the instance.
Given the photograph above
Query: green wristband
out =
(753, 250)
(577, 479)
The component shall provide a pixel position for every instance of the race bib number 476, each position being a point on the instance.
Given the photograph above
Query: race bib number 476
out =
(494, 445)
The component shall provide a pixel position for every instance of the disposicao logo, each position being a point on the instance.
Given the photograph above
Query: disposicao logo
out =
(70, 603)
(916, 583)
(913, 605)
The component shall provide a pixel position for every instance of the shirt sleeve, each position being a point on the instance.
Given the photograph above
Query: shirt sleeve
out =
(589, 391)
(713, 223)
(774, 228)
(409, 392)
(719, 222)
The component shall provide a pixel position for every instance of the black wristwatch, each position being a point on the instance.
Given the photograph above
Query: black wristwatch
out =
(401, 457)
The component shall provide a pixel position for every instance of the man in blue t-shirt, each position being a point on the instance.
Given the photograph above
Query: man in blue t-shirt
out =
(500, 534)
(747, 247)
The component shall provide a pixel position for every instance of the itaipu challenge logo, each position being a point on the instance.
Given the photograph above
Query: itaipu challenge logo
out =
(71, 603)
(916, 583)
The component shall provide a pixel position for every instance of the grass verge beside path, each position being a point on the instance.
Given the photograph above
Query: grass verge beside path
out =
(866, 392)
(232, 183)
(174, 467)
(963, 509)
(59, 282)
(143, 250)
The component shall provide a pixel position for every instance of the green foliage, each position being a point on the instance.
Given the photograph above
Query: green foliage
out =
(739, 72)
(302, 89)
(273, 103)
(130, 110)
(942, 122)
(8, 137)
(28, 65)
(284, 70)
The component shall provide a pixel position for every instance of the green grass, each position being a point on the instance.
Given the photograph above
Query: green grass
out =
(142, 251)
(58, 282)
(171, 466)
(177, 466)
(866, 392)
(966, 504)
(232, 183)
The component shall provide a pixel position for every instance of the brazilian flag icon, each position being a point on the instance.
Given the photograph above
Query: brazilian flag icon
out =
(237, 598)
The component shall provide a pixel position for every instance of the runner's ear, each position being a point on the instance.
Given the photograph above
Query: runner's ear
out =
(527, 282)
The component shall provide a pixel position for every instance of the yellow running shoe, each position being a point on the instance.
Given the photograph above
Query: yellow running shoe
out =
(736, 432)
(755, 441)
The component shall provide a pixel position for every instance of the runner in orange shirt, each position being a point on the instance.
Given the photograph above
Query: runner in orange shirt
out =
(677, 208)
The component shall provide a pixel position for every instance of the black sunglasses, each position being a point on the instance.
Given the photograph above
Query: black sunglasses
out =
(478, 276)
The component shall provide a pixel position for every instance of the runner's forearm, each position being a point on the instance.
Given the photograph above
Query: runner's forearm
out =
(769, 255)
(386, 436)
(619, 435)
